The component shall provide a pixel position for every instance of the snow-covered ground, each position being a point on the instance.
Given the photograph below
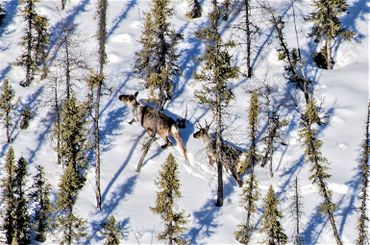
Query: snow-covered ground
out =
(342, 92)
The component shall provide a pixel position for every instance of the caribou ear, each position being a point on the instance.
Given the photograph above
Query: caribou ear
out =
(136, 93)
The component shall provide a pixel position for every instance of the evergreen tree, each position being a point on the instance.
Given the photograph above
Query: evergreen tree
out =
(271, 225)
(297, 207)
(8, 198)
(73, 137)
(25, 117)
(249, 200)
(156, 62)
(111, 230)
(40, 197)
(22, 218)
(362, 227)
(214, 75)
(195, 9)
(73, 152)
(319, 170)
(34, 41)
(169, 190)
(72, 227)
(252, 156)
(6, 107)
(327, 28)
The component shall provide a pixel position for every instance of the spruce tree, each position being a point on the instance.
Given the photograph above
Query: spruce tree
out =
(72, 226)
(319, 170)
(297, 207)
(327, 28)
(73, 152)
(7, 106)
(271, 220)
(249, 200)
(34, 40)
(214, 75)
(22, 218)
(40, 197)
(195, 9)
(8, 198)
(156, 62)
(25, 117)
(169, 190)
(112, 232)
(73, 149)
(252, 157)
(362, 227)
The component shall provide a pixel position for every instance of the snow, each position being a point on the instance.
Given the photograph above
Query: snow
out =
(342, 93)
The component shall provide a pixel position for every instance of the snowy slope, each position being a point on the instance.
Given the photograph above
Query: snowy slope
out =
(128, 195)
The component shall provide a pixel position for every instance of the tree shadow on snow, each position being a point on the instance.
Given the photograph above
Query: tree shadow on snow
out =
(123, 166)
(109, 206)
(117, 21)
(205, 218)
(10, 8)
(111, 127)
(57, 28)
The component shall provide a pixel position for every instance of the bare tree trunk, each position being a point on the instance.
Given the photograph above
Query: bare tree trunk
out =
(248, 33)
(7, 126)
(102, 15)
(297, 213)
(220, 184)
(63, 4)
(329, 59)
(296, 31)
(29, 49)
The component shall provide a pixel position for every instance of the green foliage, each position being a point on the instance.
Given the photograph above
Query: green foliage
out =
(26, 117)
(8, 198)
(40, 197)
(271, 225)
(327, 26)
(34, 40)
(73, 227)
(319, 170)
(156, 62)
(326, 19)
(169, 190)
(74, 145)
(249, 199)
(216, 67)
(252, 156)
(111, 230)
(22, 218)
(195, 11)
(7, 106)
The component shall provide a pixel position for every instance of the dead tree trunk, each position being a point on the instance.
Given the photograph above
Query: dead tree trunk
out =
(248, 34)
